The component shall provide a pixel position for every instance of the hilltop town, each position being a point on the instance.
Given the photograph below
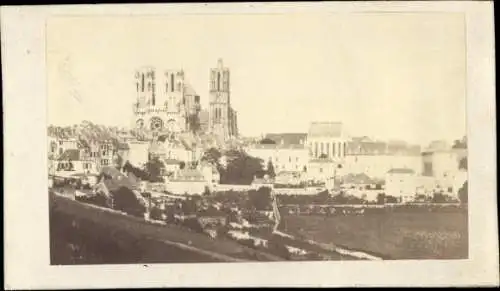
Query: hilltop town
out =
(182, 161)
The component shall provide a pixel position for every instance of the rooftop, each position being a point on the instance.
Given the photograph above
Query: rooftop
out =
(71, 155)
(188, 89)
(188, 175)
(287, 138)
(115, 180)
(321, 161)
(401, 171)
(277, 146)
(325, 129)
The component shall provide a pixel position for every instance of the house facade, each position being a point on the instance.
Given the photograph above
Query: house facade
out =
(401, 183)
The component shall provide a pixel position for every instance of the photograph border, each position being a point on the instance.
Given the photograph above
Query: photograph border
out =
(26, 247)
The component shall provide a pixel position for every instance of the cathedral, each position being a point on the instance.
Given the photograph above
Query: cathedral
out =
(165, 101)
(167, 104)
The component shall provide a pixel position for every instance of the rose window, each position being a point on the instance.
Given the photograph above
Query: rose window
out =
(156, 123)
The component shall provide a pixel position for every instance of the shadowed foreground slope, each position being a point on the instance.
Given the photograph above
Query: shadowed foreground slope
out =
(85, 234)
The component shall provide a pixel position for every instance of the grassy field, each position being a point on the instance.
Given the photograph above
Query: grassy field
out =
(391, 235)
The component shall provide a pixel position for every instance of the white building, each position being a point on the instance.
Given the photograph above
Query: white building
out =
(291, 157)
(76, 161)
(327, 139)
(138, 153)
(175, 150)
(323, 170)
(377, 165)
(401, 183)
(444, 166)
(186, 182)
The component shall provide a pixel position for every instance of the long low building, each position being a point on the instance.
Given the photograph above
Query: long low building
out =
(377, 165)
(291, 157)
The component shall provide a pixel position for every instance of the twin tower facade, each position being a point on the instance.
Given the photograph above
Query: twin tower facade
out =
(167, 103)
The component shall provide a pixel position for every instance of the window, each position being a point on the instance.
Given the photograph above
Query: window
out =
(60, 151)
(327, 150)
(321, 170)
(172, 82)
(142, 82)
(60, 142)
(289, 159)
(218, 81)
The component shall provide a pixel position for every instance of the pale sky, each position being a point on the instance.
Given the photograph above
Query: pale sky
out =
(386, 75)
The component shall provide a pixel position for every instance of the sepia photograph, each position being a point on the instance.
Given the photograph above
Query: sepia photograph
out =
(322, 137)
(256, 137)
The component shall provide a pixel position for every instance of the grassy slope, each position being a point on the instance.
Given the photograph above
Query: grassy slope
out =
(142, 233)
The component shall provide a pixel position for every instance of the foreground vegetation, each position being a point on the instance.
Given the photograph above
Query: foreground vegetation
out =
(426, 234)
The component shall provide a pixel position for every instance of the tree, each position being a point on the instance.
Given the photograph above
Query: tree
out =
(139, 173)
(182, 165)
(118, 162)
(462, 164)
(241, 168)
(381, 198)
(194, 123)
(154, 168)
(267, 141)
(270, 169)
(260, 199)
(391, 199)
(438, 197)
(212, 156)
(323, 156)
(322, 197)
(463, 193)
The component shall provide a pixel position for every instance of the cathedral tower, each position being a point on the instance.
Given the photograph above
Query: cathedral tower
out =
(221, 116)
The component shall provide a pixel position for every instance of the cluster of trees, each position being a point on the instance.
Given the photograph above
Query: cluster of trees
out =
(260, 199)
(152, 171)
(240, 168)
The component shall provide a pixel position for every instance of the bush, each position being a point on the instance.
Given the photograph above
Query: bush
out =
(247, 242)
(260, 199)
(155, 213)
(463, 193)
(278, 249)
(193, 224)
